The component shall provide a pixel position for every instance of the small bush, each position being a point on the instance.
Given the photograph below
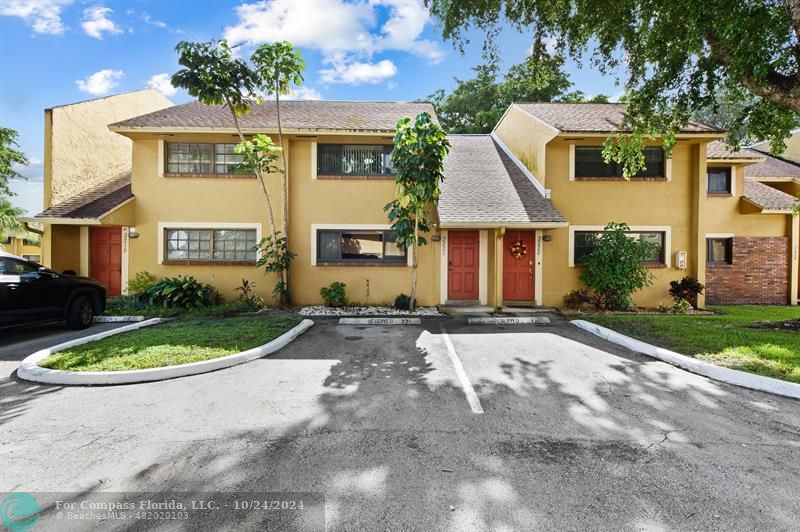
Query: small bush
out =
(615, 268)
(681, 306)
(181, 293)
(141, 282)
(248, 296)
(334, 295)
(577, 299)
(402, 302)
(687, 289)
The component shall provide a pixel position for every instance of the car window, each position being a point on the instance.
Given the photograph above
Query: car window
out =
(16, 267)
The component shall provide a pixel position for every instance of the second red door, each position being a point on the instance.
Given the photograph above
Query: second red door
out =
(518, 263)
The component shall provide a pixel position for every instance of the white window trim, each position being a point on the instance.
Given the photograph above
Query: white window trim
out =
(163, 226)
(733, 176)
(161, 150)
(719, 235)
(313, 160)
(348, 227)
(667, 165)
(666, 229)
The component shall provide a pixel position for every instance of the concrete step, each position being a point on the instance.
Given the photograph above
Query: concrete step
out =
(466, 310)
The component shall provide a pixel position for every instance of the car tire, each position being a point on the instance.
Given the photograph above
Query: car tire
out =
(80, 313)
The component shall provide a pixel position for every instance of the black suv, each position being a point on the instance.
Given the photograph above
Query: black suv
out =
(31, 293)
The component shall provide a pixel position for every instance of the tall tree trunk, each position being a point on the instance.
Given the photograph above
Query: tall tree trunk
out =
(413, 303)
(260, 176)
(285, 192)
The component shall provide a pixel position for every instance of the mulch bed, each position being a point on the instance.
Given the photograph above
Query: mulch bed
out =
(788, 325)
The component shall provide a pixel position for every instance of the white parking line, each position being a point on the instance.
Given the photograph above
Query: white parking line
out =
(469, 391)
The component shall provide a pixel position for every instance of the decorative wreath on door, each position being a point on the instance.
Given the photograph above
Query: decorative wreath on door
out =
(519, 249)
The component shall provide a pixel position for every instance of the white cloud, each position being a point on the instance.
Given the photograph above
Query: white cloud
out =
(356, 73)
(162, 84)
(347, 33)
(302, 93)
(616, 97)
(44, 16)
(153, 22)
(101, 82)
(96, 22)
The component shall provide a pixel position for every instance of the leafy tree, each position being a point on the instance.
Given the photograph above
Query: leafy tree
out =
(214, 76)
(280, 67)
(9, 155)
(476, 105)
(615, 268)
(9, 218)
(677, 56)
(418, 157)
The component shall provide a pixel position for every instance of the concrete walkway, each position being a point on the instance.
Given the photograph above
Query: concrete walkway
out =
(574, 434)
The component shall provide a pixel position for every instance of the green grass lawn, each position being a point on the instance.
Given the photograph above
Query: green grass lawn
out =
(175, 342)
(726, 339)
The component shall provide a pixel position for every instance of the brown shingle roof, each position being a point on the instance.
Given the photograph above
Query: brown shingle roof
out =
(93, 202)
(773, 167)
(591, 117)
(766, 197)
(295, 115)
(718, 149)
(483, 185)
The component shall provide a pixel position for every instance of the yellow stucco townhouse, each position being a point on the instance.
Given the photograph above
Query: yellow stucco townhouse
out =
(510, 224)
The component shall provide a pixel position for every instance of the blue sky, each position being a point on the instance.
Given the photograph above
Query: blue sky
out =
(60, 51)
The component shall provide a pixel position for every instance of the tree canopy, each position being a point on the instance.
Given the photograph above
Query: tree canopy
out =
(476, 104)
(9, 156)
(677, 56)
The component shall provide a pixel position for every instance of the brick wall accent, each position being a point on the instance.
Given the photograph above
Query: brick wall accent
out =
(759, 274)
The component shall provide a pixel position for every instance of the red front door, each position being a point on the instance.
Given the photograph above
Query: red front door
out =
(462, 269)
(106, 258)
(518, 261)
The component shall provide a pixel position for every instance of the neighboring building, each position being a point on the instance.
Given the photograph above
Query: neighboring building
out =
(739, 238)
(512, 219)
(23, 244)
(86, 174)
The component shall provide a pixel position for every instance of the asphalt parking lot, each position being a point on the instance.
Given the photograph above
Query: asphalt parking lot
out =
(443, 426)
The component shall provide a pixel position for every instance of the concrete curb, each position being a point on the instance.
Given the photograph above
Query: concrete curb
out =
(29, 370)
(718, 373)
(117, 319)
(504, 320)
(378, 320)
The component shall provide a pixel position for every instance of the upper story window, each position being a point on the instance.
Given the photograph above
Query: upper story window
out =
(589, 163)
(362, 246)
(719, 180)
(6, 241)
(354, 159)
(585, 242)
(204, 159)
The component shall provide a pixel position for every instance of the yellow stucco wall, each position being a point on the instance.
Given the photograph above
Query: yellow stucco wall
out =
(527, 138)
(18, 246)
(646, 203)
(240, 200)
(65, 242)
(80, 151)
(792, 151)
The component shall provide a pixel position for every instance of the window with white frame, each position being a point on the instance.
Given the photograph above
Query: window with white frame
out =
(204, 158)
(354, 159)
(584, 243)
(359, 246)
(719, 180)
(589, 163)
(210, 245)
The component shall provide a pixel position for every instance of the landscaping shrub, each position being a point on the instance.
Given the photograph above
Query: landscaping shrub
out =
(686, 289)
(181, 293)
(248, 296)
(615, 268)
(334, 295)
(402, 302)
(577, 299)
(141, 282)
